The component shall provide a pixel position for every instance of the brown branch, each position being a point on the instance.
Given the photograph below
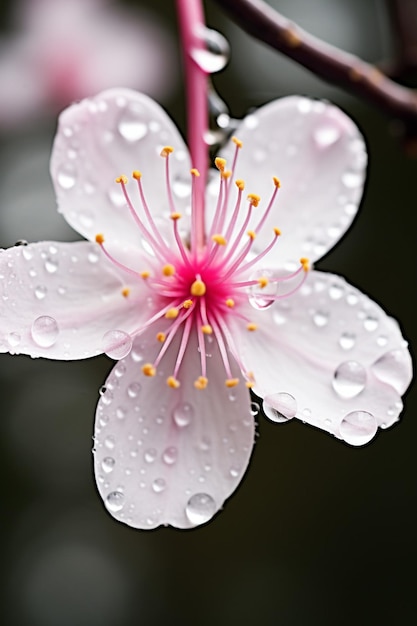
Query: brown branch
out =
(330, 63)
(403, 22)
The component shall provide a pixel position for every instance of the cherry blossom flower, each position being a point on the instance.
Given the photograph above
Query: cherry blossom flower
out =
(196, 318)
(67, 50)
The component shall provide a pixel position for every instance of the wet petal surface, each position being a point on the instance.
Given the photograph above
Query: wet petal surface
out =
(331, 357)
(170, 456)
(59, 299)
(99, 139)
(319, 155)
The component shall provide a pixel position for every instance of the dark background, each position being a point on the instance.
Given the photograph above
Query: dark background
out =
(318, 533)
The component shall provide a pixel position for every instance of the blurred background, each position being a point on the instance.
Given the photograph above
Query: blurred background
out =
(318, 533)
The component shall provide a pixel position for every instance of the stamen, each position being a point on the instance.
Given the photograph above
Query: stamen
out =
(168, 270)
(263, 282)
(145, 274)
(238, 143)
(277, 184)
(230, 303)
(219, 239)
(148, 369)
(173, 382)
(251, 326)
(100, 240)
(166, 151)
(161, 337)
(206, 329)
(254, 200)
(172, 313)
(201, 382)
(125, 292)
(195, 172)
(220, 163)
(187, 304)
(231, 382)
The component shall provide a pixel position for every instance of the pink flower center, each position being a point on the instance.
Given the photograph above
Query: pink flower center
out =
(206, 289)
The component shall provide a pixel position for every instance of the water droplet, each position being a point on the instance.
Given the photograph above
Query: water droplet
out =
(120, 370)
(51, 265)
(335, 292)
(45, 331)
(115, 501)
(116, 344)
(358, 427)
(352, 179)
(382, 341)
(349, 379)
(251, 121)
(120, 413)
(21, 242)
(234, 472)
(40, 292)
(103, 420)
(131, 128)
(370, 323)
(200, 508)
(347, 341)
(215, 55)
(326, 135)
(183, 414)
(159, 485)
(150, 455)
(352, 299)
(304, 105)
(27, 254)
(133, 390)
(280, 407)
(263, 298)
(394, 368)
(254, 408)
(320, 318)
(279, 317)
(13, 339)
(110, 442)
(66, 176)
(170, 455)
(92, 257)
(108, 464)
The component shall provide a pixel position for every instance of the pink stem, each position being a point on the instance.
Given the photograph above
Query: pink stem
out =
(191, 24)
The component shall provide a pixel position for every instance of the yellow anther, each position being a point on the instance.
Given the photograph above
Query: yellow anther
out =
(172, 313)
(263, 282)
(100, 238)
(237, 142)
(198, 288)
(220, 163)
(277, 231)
(251, 234)
(226, 174)
(145, 274)
(292, 39)
(194, 171)
(136, 174)
(122, 179)
(219, 239)
(187, 304)
(148, 369)
(252, 326)
(168, 270)
(201, 382)
(305, 263)
(207, 329)
(254, 199)
(166, 150)
(175, 216)
(173, 382)
(249, 384)
(125, 292)
(161, 337)
(230, 303)
(277, 182)
(231, 382)
(240, 184)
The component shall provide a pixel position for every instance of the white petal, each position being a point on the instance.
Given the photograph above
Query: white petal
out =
(319, 156)
(98, 139)
(59, 299)
(331, 357)
(170, 456)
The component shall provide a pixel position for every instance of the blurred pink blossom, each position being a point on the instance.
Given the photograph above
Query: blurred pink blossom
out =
(64, 51)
